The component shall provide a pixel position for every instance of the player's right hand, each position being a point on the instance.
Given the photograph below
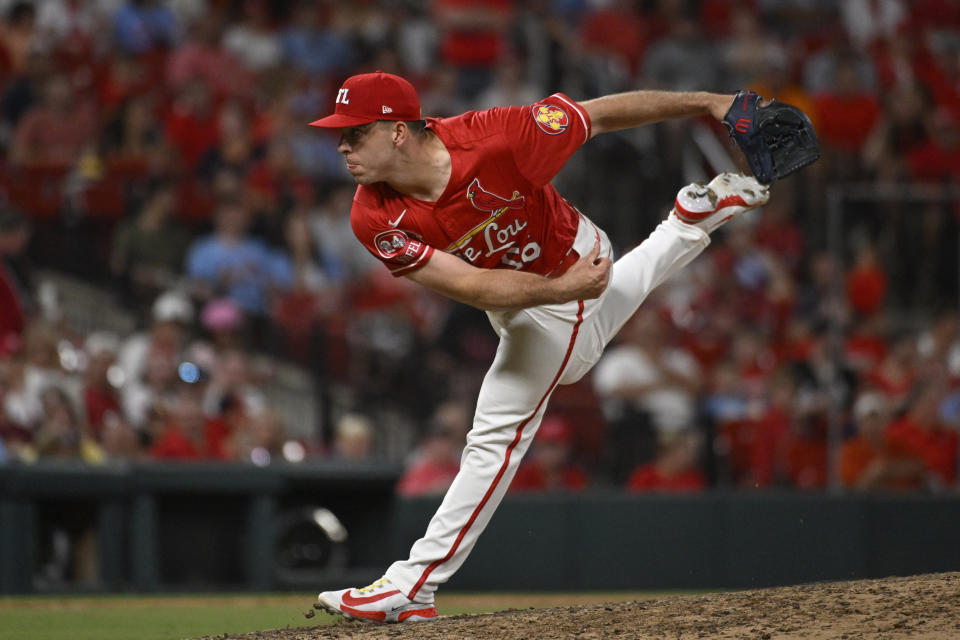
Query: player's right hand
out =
(588, 277)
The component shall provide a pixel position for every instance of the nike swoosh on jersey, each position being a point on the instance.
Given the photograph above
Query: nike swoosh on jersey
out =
(353, 601)
(394, 223)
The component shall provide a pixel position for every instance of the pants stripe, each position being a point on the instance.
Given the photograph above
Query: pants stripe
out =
(506, 460)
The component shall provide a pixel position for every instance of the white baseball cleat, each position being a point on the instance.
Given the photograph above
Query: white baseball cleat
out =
(379, 602)
(708, 206)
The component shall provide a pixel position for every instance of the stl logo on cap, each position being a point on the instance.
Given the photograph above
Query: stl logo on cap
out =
(368, 97)
(550, 119)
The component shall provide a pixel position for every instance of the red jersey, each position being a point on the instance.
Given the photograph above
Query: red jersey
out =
(174, 443)
(499, 210)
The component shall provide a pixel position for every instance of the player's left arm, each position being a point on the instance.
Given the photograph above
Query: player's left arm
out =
(635, 108)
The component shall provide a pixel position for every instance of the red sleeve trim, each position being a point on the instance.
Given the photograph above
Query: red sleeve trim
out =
(413, 266)
(584, 116)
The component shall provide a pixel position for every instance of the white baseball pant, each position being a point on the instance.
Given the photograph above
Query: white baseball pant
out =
(539, 348)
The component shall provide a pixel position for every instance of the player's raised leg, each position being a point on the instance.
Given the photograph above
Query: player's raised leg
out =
(698, 210)
(535, 347)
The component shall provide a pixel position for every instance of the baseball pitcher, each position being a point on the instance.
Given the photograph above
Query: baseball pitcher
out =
(464, 206)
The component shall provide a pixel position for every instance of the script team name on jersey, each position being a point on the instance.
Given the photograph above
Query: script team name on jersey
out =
(498, 232)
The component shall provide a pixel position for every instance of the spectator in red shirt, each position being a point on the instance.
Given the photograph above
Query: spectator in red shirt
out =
(435, 463)
(866, 282)
(123, 78)
(770, 431)
(201, 57)
(847, 114)
(617, 31)
(434, 467)
(547, 467)
(189, 434)
(871, 460)
(938, 159)
(820, 379)
(777, 232)
(675, 467)
(921, 432)
(55, 132)
(805, 453)
(473, 38)
(191, 124)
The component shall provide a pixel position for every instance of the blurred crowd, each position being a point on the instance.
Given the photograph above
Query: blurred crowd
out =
(159, 148)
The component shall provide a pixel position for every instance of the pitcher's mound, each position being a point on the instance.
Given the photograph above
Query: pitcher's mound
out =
(925, 606)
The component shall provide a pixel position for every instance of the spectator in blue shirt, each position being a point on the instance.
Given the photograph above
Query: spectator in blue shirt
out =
(141, 26)
(230, 262)
(312, 47)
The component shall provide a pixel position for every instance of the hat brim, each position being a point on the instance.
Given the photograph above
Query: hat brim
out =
(337, 120)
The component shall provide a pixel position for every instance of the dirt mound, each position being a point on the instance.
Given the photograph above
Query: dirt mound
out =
(916, 607)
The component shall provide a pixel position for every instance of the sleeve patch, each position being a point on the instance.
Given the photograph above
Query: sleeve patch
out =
(550, 118)
(397, 246)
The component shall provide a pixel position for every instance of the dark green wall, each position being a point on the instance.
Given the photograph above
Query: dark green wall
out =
(216, 526)
(714, 540)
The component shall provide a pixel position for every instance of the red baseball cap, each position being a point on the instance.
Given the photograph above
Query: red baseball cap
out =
(368, 97)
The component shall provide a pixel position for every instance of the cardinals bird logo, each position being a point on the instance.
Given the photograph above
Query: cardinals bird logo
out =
(550, 119)
(484, 200)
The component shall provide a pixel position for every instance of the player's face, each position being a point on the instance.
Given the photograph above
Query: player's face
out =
(367, 150)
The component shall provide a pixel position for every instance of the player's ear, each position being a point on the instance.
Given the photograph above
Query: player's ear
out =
(399, 132)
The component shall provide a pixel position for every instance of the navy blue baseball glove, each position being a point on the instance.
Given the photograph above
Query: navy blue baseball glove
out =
(777, 139)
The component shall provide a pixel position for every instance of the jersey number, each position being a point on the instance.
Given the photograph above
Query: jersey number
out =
(529, 253)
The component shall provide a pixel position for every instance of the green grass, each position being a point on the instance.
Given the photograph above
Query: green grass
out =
(161, 618)
(175, 617)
